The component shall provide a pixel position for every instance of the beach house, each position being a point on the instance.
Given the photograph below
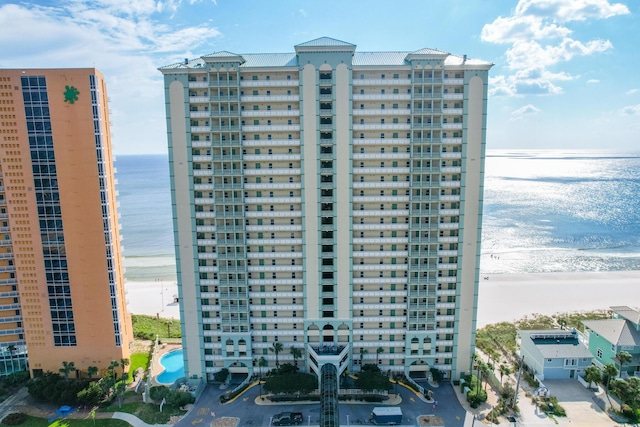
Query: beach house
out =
(607, 338)
(554, 354)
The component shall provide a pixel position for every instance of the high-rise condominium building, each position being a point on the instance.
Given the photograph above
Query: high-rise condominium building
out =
(61, 284)
(328, 202)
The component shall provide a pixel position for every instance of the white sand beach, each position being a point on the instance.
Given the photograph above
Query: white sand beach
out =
(507, 297)
(503, 297)
(153, 298)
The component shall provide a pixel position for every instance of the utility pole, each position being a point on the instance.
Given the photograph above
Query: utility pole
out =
(515, 397)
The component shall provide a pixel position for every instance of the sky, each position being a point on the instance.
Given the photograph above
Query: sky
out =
(565, 75)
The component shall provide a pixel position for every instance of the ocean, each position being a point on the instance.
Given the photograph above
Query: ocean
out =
(544, 211)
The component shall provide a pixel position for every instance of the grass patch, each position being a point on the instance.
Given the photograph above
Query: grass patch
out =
(147, 412)
(147, 327)
(139, 360)
(99, 422)
(501, 337)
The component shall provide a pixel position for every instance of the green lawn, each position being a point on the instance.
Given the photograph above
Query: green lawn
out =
(139, 360)
(147, 327)
(99, 422)
(147, 412)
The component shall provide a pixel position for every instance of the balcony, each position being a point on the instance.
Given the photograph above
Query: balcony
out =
(269, 98)
(427, 95)
(199, 114)
(452, 126)
(269, 83)
(381, 82)
(270, 113)
(193, 85)
(200, 129)
(271, 128)
(381, 126)
(428, 80)
(382, 97)
(448, 81)
(452, 96)
(381, 112)
(198, 99)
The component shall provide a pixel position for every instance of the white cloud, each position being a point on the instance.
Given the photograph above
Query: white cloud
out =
(514, 28)
(631, 91)
(303, 13)
(571, 10)
(530, 54)
(630, 110)
(124, 39)
(593, 81)
(524, 112)
(539, 40)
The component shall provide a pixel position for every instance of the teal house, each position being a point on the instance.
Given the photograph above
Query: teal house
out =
(609, 337)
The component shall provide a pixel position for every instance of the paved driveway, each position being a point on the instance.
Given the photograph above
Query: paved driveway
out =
(580, 404)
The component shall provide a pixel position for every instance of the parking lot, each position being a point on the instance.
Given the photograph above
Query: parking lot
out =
(250, 413)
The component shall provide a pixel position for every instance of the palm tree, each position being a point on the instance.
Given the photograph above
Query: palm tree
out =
(67, 367)
(276, 348)
(12, 351)
(504, 370)
(92, 371)
(296, 353)
(262, 363)
(112, 368)
(610, 371)
(623, 357)
(124, 363)
(379, 350)
(592, 375)
(362, 353)
(486, 369)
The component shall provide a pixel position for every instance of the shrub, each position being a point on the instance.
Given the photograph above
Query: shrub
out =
(476, 398)
(14, 419)
(374, 398)
(158, 392)
(179, 398)
(436, 374)
(221, 376)
(630, 414)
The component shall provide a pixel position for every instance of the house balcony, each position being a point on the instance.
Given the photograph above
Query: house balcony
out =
(452, 111)
(198, 99)
(196, 85)
(447, 81)
(457, 96)
(199, 114)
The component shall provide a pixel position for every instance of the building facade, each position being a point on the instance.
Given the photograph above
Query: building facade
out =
(553, 354)
(608, 338)
(61, 279)
(328, 202)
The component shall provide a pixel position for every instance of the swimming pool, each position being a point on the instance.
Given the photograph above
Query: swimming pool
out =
(173, 365)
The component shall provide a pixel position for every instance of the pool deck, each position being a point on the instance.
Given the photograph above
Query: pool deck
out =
(157, 368)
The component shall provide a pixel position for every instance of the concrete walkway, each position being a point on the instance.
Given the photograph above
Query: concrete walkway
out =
(135, 421)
